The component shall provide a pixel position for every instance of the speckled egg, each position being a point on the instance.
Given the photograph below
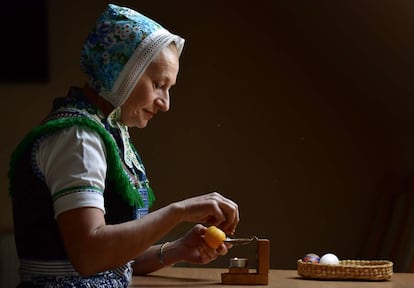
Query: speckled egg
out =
(329, 259)
(311, 258)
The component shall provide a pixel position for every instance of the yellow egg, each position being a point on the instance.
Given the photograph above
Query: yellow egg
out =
(214, 237)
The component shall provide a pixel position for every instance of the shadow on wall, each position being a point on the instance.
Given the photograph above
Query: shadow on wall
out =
(391, 234)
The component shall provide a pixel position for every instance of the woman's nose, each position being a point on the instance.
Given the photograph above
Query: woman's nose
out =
(163, 102)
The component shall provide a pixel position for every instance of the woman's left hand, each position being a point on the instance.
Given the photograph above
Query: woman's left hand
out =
(193, 248)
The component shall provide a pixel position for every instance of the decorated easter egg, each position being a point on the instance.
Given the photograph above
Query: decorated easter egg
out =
(329, 259)
(311, 258)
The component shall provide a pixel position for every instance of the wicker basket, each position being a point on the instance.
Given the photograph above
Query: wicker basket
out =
(375, 270)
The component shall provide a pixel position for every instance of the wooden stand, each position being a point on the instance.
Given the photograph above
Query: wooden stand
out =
(241, 276)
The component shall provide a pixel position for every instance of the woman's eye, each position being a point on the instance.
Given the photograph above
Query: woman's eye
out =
(157, 85)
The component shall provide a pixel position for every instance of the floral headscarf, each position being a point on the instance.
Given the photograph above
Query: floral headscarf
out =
(120, 47)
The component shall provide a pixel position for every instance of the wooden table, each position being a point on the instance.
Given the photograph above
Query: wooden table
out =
(211, 277)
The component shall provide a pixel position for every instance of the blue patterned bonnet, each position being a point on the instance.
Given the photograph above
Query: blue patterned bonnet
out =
(120, 47)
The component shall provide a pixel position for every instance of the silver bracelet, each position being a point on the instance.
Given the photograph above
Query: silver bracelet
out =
(160, 254)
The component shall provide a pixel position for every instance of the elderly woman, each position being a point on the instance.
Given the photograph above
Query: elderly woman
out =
(80, 194)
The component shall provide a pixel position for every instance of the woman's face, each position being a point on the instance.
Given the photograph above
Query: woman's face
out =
(151, 94)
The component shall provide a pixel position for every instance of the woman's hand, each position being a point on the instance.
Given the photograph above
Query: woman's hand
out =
(193, 249)
(212, 209)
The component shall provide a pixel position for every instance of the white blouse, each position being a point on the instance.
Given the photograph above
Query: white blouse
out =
(73, 162)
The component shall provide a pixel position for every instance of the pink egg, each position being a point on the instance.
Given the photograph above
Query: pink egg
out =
(311, 258)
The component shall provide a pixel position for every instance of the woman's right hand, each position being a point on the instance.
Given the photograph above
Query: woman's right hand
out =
(212, 209)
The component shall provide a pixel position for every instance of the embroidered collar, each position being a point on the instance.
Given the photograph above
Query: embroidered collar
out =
(130, 158)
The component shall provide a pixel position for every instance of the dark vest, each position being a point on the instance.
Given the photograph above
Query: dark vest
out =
(36, 231)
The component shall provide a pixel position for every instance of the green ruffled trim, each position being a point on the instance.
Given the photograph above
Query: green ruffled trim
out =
(115, 172)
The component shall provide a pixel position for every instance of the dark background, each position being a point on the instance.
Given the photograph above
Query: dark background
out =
(300, 111)
(24, 47)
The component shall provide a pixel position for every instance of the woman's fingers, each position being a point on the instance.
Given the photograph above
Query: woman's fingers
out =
(214, 209)
(230, 212)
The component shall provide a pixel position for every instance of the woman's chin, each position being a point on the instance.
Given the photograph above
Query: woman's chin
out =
(142, 124)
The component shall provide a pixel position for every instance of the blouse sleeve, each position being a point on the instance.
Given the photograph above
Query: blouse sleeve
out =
(74, 165)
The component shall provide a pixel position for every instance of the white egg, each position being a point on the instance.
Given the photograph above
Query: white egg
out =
(329, 259)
